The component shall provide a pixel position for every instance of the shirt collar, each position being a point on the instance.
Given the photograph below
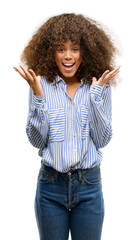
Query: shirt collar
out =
(59, 79)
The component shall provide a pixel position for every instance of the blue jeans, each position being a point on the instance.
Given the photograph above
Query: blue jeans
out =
(69, 201)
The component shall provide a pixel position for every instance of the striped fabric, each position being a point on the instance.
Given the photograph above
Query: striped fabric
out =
(69, 133)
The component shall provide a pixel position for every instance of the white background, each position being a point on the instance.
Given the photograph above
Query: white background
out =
(19, 162)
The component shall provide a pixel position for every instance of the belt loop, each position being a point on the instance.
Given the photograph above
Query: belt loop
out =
(79, 174)
(56, 175)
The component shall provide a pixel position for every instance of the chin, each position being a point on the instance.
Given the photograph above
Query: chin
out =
(68, 75)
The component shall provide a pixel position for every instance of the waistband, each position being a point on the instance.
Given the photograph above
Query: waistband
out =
(71, 172)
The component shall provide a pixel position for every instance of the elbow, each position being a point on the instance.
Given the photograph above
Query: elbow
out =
(107, 136)
(33, 137)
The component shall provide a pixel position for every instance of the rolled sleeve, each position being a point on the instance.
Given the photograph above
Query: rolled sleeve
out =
(38, 101)
(96, 89)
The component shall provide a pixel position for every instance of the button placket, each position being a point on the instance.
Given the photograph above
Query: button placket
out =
(73, 165)
(73, 136)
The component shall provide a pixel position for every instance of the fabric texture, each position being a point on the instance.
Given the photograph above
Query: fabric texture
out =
(69, 133)
(70, 201)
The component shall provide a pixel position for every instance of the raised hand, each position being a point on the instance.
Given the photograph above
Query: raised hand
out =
(33, 80)
(106, 77)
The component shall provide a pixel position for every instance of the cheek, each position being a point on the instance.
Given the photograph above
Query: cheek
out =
(57, 60)
(80, 60)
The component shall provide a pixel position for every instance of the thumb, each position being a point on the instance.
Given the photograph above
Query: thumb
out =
(94, 79)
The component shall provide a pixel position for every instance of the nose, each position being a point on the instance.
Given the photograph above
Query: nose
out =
(68, 55)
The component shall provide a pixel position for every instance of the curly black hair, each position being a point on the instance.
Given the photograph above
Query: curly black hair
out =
(97, 48)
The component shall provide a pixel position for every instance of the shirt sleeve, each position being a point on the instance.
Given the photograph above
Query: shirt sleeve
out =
(100, 115)
(37, 122)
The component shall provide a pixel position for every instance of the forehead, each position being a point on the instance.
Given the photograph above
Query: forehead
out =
(68, 43)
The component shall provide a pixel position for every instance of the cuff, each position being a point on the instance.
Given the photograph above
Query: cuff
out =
(38, 101)
(96, 89)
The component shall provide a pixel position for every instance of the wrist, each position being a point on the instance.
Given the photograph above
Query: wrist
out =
(38, 94)
(38, 101)
(96, 89)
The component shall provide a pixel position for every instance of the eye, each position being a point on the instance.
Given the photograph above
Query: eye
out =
(76, 49)
(61, 49)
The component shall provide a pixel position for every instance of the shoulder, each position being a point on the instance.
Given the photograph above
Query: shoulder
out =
(43, 80)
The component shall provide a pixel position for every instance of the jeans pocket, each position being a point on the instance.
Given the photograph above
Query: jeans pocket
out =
(57, 121)
(91, 181)
(44, 177)
(92, 177)
(85, 121)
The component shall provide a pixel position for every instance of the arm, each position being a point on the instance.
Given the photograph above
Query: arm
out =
(100, 115)
(37, 123)
(101, 109)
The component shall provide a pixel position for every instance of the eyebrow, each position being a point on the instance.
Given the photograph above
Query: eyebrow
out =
(74, 44)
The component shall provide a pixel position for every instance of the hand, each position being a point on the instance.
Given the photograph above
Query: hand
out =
(106, 77)
(33, 80)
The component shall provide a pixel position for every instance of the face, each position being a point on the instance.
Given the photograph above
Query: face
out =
(68, 60)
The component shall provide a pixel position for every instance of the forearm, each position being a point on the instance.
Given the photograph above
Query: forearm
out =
(100, 115)
(37, 124)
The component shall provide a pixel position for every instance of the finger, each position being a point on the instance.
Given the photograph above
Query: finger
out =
(113, 73)
(28, 75)
(20, 72)
(115, 70)
(16, 69)
(104, 74)
(94, 80)
(33, 74)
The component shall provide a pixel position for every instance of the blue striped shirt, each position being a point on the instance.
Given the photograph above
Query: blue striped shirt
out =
(69, 133)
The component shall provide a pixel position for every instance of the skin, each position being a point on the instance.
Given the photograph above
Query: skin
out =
(66, 53)
(31, 78)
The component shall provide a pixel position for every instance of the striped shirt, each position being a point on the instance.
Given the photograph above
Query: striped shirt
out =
(69, 133)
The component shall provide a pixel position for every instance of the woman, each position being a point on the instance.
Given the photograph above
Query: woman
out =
(70, 70)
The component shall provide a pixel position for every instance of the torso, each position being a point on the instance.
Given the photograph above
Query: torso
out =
(72, 89)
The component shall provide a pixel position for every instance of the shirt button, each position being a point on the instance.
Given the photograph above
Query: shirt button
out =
(74, 135)
(74, 150)
(73, 120)
(73, 103)
(39, 101)
(93, 87)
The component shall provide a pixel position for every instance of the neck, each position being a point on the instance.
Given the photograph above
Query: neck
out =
(70, 81)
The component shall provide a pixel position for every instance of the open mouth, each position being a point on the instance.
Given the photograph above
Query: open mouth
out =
(68, 66)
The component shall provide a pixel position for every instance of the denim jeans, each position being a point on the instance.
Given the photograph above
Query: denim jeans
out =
(69, 201)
